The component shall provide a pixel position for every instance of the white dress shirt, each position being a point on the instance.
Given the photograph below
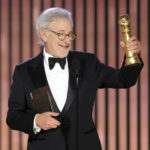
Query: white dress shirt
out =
(58, 79)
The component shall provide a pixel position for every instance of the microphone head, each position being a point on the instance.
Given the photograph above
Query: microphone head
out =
(75, 66)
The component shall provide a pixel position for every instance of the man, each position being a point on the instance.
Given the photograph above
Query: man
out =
(52, 94)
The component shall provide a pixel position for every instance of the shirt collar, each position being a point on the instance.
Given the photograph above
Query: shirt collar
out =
(46, 56)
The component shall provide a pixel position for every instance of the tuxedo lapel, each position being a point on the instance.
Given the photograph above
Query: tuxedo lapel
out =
(37, 73)
(71, 91)
(71, 96)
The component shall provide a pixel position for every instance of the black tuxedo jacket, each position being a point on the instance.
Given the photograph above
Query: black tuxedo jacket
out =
(93, 74)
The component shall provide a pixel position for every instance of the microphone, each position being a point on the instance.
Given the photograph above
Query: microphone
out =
(76, 67)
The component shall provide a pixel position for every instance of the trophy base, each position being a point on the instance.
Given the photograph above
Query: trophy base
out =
(132, 61)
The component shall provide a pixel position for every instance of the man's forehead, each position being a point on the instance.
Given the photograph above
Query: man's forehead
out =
(61, 21)
(61, 26)
(65, 30)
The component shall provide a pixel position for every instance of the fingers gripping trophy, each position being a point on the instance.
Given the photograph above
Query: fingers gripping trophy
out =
(131, 59)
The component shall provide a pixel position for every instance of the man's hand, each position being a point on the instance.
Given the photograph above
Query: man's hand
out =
(47, 121)
(133, 45)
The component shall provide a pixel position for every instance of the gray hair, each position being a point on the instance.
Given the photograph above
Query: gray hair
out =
(48, 16)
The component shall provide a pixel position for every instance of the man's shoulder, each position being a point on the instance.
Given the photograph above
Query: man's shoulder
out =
(31, 61)
(81, 54)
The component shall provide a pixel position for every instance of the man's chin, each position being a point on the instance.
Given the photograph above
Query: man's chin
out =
(63, 55)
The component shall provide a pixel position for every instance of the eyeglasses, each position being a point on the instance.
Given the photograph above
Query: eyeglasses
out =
(62, 36)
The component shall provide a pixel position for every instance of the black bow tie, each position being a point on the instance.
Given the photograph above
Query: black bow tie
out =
(61, 61)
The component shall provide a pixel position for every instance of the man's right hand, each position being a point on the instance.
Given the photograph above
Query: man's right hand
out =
(47, 121)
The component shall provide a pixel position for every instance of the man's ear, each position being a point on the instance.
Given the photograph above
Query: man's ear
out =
(43, 34)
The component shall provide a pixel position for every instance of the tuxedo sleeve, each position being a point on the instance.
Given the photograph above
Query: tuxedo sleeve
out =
(19, 116)
(124, 77)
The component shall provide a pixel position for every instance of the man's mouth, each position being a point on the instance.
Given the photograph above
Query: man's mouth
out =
(64, 46)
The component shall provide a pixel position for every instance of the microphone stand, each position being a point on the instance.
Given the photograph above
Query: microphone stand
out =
(77, 113)
(76, 68)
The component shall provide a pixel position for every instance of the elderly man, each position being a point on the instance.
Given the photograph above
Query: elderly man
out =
(52, 94)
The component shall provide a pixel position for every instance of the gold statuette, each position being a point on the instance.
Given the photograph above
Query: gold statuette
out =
(131, 58)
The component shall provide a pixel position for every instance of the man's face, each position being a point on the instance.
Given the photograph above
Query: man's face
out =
(55, 46)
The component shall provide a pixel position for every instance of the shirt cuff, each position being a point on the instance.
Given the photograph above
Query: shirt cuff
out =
(36, 129)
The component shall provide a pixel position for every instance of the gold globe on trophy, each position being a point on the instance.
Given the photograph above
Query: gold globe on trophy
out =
(131, 58)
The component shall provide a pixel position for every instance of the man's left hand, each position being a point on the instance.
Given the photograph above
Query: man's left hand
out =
(133, 45)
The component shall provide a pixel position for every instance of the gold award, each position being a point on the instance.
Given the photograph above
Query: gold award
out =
(131, 58)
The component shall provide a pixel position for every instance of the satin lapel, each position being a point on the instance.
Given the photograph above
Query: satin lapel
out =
(71, 91)
(37, 73)
(71, 96)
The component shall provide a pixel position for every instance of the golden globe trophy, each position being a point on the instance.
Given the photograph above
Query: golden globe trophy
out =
(131, 58)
